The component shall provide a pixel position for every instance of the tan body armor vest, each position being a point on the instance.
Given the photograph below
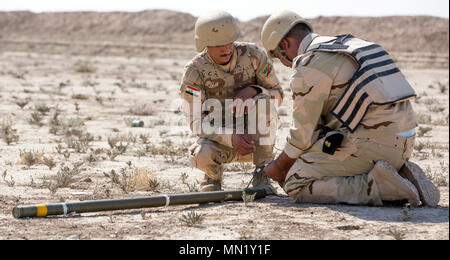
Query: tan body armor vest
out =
(378, 80)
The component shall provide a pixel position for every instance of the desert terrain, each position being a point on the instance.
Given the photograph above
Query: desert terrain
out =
(72, 83)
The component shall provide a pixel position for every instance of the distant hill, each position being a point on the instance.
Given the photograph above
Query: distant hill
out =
(395, 33)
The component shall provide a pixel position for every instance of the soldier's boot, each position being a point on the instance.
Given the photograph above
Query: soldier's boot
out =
(261, 156)
(393, 187)
(210, 184)
(209, 157)
(429, 194)
(266, 123)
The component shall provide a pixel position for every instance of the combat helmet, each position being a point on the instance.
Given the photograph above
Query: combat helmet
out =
(277, 26)
(215, 28)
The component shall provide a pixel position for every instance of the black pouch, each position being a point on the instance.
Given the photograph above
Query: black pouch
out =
(332, 142)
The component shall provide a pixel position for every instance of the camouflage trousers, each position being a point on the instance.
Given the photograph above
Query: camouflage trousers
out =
(317, 177)
(209, 155)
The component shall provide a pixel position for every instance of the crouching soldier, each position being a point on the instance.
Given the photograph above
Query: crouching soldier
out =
(231, 94)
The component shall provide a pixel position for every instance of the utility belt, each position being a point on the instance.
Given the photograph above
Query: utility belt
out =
(403, 140)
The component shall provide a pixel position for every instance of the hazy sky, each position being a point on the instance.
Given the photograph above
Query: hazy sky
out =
(244, 9)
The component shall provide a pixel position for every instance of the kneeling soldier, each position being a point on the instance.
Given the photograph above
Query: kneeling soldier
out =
(353, 124)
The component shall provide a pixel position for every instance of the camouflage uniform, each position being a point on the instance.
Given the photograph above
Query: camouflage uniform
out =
(204, 80)
(385, 132)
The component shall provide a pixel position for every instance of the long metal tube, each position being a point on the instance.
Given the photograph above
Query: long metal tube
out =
(42, 210)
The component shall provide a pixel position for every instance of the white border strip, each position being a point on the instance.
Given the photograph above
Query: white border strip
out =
(167, 200)
(64, 208)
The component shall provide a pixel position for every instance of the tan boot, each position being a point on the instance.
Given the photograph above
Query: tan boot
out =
(210, 184)
(428, 192)
(391, 186)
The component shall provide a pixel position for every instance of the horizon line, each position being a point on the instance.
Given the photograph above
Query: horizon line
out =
(177, 11)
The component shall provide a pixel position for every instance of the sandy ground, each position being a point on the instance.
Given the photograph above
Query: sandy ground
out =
(101, 94)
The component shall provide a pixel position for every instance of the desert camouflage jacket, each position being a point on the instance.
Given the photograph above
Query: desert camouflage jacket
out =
(204, 80)
(319, 81)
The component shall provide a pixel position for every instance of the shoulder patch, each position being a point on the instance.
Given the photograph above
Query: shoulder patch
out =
(190, 90)
(267, 69)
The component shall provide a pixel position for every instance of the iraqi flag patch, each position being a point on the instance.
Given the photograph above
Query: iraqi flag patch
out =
(190, 90)
(267, 69)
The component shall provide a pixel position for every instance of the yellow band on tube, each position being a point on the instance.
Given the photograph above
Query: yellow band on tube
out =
(41, 210)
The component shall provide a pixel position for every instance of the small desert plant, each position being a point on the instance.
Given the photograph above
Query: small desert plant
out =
(54, 120)
(141, 152)
(36, 119)
(112, 176)
(66, 176)
(423, 130)
(61, 150)
(118, 149)
(9, 182)
(141, 110)
(183, 177)
(8, 133)
(49, 162)
(113, 140)
(439, 177)
(94, 155)
(153, 184)
(424, 119)
(245, 233)
(42, 108)
(436, 109)
(442, 87)
(192, 187)
(167, 148)
(248, 198)
(144, 138)
(84, 67)
(419, 146)
(397, 234)
(30, 158)
(192, 218)
(130, 180)
(83, 143)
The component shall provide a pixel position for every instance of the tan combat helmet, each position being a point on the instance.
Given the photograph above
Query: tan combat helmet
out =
(215, 28)
(276, 28)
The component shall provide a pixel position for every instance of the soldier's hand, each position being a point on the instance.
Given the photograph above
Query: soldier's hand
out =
(239, 107)
(272, 172)
(278, 168)
(243, 144)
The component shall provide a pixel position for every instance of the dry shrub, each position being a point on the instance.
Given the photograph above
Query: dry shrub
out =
(142, 178)
(131, 180)
(84, 67)
(192, 218)
(30, 158)
(8, 133)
